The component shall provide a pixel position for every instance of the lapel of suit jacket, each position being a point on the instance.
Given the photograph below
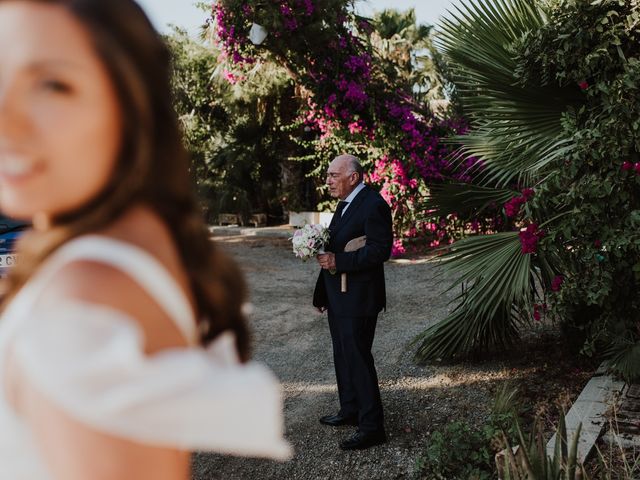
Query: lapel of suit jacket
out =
(353, 206)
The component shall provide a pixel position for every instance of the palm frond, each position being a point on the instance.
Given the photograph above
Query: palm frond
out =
(463, 333)
(510, 155)
(516, 133)
(467, 201)
(624, 356)
(498, 276)
(516, 130)
(477, 37)
(494, 266)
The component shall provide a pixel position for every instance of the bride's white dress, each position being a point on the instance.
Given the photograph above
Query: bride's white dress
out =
(88, 360)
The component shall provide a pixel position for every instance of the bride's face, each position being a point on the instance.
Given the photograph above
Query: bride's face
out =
(59, 116)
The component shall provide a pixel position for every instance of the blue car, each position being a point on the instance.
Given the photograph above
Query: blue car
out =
(10, 230)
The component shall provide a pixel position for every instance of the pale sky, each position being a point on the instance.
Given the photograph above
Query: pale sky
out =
(184, 14)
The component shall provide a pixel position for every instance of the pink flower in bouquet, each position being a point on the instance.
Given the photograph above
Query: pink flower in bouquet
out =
(309, 241)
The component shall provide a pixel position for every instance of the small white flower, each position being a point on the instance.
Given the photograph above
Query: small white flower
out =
(309, 241)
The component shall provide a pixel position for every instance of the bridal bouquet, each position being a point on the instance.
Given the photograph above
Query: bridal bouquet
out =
(309, 240)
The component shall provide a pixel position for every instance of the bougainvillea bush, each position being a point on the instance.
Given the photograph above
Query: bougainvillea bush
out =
(353, 99)
(552, 92)
(595, 45)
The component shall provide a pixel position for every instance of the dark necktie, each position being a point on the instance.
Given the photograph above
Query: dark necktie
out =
(340, 208)
(338, 213)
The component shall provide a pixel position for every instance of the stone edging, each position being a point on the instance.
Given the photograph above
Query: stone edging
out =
(589, 410)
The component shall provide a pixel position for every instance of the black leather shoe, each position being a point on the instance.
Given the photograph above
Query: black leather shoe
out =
(362, 440)
(338, 420)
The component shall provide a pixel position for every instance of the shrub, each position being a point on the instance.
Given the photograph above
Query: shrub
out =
(554, 104)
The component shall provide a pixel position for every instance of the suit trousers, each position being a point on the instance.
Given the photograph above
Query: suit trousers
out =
(356, 376)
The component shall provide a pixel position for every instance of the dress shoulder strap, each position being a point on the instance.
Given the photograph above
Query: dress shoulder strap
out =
(140, 265)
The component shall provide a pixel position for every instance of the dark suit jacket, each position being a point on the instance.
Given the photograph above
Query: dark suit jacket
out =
(368, 214)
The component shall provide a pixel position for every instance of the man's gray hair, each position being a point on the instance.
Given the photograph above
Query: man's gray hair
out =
(355, 165)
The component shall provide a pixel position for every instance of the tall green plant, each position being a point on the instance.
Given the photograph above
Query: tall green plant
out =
(516, 129)
(533, 463)
(596, 45)
(233, 130)
(516, 133)
(553, 93)
(554, 104)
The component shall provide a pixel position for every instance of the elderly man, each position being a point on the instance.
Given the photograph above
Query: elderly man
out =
(353, 313)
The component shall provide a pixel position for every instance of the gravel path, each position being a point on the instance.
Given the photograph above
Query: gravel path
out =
(294, 341)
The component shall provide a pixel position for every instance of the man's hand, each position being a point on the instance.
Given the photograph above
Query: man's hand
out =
(321, 309)
(327, 261)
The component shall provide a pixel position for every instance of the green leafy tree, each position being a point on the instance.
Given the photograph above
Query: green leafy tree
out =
(408, 47)
(201, 115)
(234, 129)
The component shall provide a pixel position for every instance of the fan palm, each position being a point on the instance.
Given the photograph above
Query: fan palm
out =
(516, 133)
(517, 128)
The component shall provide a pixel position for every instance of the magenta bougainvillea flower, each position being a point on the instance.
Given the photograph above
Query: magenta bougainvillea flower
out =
(529, 237)
(347, 98)
(538, 309)
(397, 248)
(583, 85)
(556, 283)
(513, 206)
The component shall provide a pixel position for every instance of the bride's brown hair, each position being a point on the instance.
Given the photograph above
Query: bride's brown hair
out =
(152, 168)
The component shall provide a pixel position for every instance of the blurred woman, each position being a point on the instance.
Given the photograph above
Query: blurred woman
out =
(122, 339)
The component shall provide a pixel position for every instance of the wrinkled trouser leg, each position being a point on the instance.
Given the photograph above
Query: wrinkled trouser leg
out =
(357, 377)
(346, 392)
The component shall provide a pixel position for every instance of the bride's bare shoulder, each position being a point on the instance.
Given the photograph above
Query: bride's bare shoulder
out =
(101, 283)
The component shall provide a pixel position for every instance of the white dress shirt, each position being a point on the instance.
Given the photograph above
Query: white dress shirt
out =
(351, 196)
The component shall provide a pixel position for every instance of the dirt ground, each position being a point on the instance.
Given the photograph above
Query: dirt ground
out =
(293, 340)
